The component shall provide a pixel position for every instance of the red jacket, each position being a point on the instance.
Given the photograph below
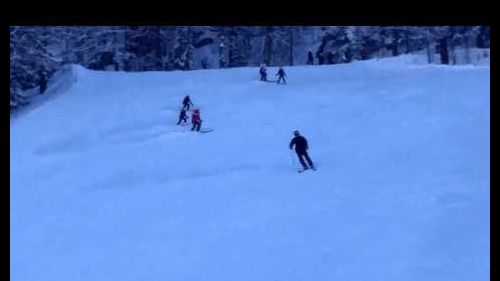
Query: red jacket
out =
(196, 117)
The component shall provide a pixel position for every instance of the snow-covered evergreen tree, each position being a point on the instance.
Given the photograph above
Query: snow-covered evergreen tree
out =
(142, 48)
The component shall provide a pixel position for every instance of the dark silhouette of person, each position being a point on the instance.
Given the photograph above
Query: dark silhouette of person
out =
(310, 58)
(196, 120)
(320, 56)
(186, 102)
(182, 117)
(301, 148)
(263, 73)
(281, 75)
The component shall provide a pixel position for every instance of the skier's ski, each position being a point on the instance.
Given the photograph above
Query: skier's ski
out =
(303, 170)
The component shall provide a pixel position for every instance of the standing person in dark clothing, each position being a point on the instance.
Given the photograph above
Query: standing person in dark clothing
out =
(186, 103)
(281, 75)
(310, 58)
(263, 73)
(196, 120)
(301, 148)
(320, 57)
(329, 58)
(42, 80)
(183, 117)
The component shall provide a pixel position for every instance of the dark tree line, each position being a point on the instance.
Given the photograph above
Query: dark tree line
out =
(37, 52)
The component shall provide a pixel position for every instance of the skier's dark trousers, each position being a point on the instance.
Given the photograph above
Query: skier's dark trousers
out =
(263, 74)
(301, 148)
(182, 117)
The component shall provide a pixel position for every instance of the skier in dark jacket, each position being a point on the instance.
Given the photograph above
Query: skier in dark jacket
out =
(310, 58)
(182, 117)
(321, 57)
(263, 74)
(281, 75)
(186, 103)
(196, 120)
(301, 148)
(329, 58)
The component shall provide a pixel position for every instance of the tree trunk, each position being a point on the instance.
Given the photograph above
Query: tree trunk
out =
(443, 49)
(395, 45)
(158, 49)
(268, 46)
(291, 47)
(429, 53)
(407, 40)
(467, 50)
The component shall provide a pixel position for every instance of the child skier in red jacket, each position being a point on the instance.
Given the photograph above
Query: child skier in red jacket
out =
(196, 120)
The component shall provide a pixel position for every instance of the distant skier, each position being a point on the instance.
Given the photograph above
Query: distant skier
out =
(320, 56)
(310, 58)
(186, 102)
(281, 75)
(182, 117)
(263, 73)
(301, 148)
(196, 120)
(329, 58)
